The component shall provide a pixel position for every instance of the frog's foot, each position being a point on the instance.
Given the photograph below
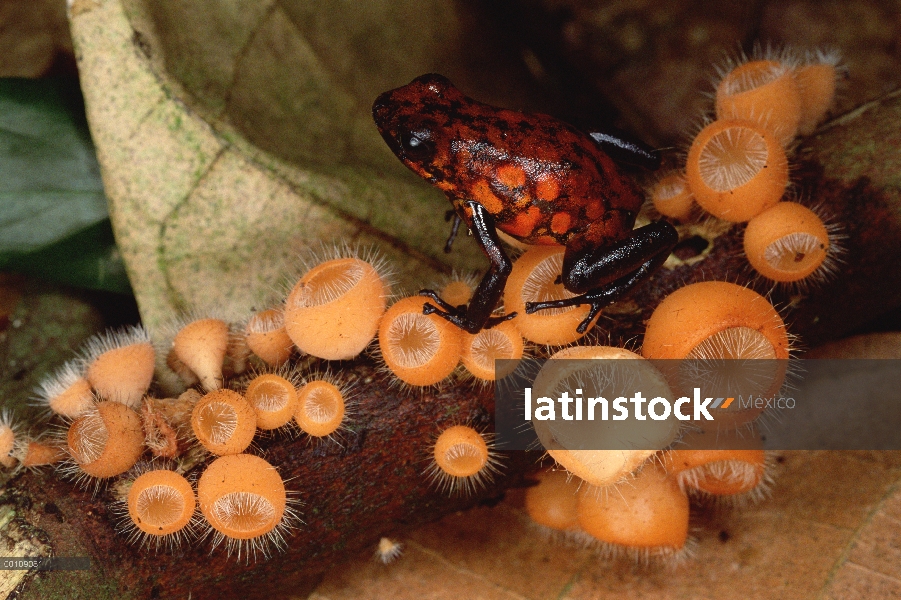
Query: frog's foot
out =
(596, 306)
(598, 298)
(445, 306)
(458, 315)
(496, 320)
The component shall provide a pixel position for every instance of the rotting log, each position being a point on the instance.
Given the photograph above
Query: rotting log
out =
(373, 485)
(370, 485)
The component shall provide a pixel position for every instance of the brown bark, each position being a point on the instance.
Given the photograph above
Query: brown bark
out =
(351, 494)
(373, 485)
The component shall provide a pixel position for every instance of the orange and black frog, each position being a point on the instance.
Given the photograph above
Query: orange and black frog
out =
(537, 179)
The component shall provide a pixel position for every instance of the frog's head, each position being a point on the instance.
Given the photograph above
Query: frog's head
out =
(414, 121)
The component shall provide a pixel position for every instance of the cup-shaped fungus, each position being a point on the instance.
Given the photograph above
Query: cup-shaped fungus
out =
(787, 243)
(32, 453)
(589, 445)
(736, 170)
(201, 346)
(532, 280)
(456, 292)
(243, 499)
(161, 506)
(419, 349)
(482, 349)
(696, 312)
(266, 337)
(816, 79)
(333, 312)
(388, 550)
(320, 408)
(724, 464)
(712, 329)
(463, 461)
(66, 392)
(719, 472)
(105, 441)
(764, 92)
(646, 517)
(274, 398)
(8, 438)
(120, 365)
(672, 197)
(224, 422)
(554, 502)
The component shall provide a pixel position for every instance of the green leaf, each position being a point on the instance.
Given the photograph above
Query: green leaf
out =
(87, 259)
(50, 185)
(54, 223)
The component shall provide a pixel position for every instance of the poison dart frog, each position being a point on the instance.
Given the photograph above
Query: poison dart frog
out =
(537, 179)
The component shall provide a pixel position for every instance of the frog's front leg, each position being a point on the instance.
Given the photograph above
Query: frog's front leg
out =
(603, 275)
(477, 315)
(452, 214)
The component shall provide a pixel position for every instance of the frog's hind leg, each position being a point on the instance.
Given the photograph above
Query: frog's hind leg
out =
(607, 273)
(602, 297)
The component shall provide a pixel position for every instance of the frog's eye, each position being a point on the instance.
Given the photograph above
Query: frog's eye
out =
(417, 145)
